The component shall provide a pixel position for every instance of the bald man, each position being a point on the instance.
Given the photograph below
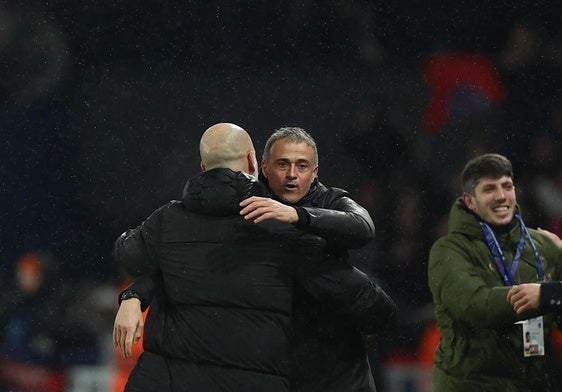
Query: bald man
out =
(220, 287)
(227, 145)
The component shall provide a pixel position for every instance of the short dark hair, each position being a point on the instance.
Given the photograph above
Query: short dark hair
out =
(291, 134)
(487, 165)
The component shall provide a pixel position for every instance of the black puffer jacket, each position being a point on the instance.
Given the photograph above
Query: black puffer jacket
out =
(228, 284)
(328, 351)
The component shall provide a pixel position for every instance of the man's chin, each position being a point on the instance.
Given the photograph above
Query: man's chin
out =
(290, 198)
(502, 221)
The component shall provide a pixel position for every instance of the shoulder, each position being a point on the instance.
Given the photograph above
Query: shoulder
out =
(545, 245)
(332, 191)
(172, 205)
(447, 246)
(327, 195)
(170, 208)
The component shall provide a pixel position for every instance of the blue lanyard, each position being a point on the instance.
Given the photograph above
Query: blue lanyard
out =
(508, 274)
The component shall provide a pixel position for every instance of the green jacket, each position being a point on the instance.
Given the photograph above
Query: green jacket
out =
(481, 348)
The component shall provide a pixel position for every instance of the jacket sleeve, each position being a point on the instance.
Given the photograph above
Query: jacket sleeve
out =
(458, 289)
(551, 296)
(144, 287)
(349, 293)
(136, 249)
(341, 222)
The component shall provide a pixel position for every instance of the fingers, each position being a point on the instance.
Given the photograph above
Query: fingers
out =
(258, 208)
(251, 208)
(128, 326)
(128, 344)
(261, 208)
(512, 292)
(116, 336)
(251, 200)
(253, 211)
(125, 337)
(521, 306)
(524, 297)
(264, 216)
(517, 299)
(119, 337)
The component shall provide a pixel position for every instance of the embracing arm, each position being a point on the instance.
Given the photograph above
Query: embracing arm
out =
(136, 249)
(136, 252)
(348, 292)
(341, 222)
(129, 322)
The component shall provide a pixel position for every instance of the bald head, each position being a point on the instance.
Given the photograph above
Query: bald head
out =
(226, 145)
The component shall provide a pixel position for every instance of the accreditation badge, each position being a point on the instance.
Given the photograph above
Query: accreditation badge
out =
(533, 337)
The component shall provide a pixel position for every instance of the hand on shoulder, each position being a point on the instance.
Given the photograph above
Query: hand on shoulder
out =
(553, 237)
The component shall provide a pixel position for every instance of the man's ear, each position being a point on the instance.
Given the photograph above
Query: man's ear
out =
(202, 166)
(468, 201)
(264, 169)
(252, 163)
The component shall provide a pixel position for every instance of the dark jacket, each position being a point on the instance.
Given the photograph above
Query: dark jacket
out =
(481, 346)
(551, 297)
(327, 351)
(228, 285)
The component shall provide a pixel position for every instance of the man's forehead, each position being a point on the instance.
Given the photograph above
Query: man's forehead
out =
(484, 181)
(291, 143)
(291, 147)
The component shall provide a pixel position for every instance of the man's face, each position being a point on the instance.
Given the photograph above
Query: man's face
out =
(290, 170)
(493, 200)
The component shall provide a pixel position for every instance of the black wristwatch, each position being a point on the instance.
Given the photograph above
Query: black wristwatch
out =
(128, 294)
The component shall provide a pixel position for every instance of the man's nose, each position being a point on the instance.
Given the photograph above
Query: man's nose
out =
(500, 194)
(292, 172)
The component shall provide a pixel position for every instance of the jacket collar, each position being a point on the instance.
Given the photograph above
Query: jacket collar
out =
(219, 191)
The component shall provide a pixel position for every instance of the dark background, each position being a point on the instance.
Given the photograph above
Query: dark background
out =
(103, 103)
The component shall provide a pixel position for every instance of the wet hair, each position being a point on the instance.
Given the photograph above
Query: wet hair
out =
(293, 135)
(485, 166)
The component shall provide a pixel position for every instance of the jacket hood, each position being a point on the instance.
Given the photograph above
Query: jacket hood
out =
(465, 222)
(219, 191)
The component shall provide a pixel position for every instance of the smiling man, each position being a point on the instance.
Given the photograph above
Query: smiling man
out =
(487, 250)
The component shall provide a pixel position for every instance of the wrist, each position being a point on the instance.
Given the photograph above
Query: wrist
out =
(132, 299)
(128, 294)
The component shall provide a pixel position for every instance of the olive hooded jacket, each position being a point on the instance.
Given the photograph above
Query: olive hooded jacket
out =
(481, 348)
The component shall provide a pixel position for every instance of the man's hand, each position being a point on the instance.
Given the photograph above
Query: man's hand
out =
(524, 297)
(263, 208)
(557, 241)
(128, 326)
